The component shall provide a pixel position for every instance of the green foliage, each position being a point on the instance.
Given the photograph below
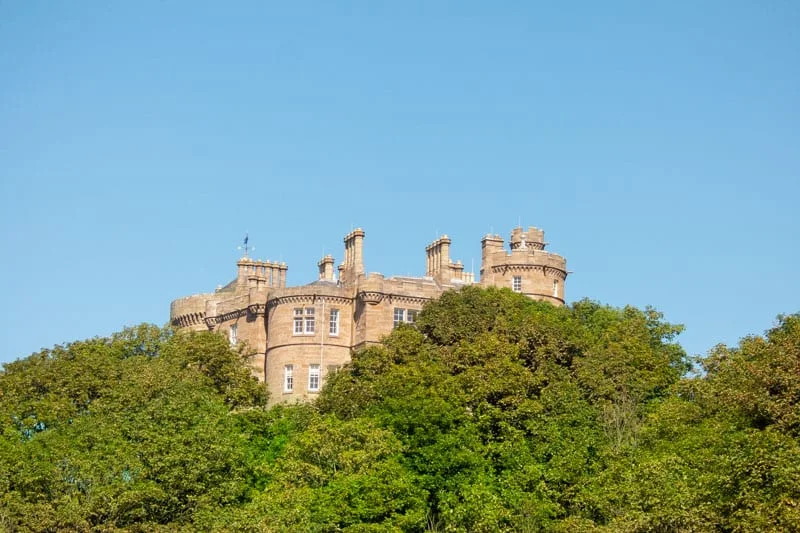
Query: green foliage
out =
(493, 413)
(759, 382)
(121, 431)
(508, 407)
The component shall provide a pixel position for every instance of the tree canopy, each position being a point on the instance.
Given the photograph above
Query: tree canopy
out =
(492, 413)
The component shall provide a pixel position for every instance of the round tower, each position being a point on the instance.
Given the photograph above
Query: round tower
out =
(309, 335)
(527, 268)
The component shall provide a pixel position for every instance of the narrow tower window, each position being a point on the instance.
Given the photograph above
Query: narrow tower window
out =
(555, 288)
(288, 378)
(333, 325)
(313, 377)
(232, 334)
(516, 284)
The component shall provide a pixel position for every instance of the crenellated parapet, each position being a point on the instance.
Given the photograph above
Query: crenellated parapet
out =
(531, 239)
(260, 274)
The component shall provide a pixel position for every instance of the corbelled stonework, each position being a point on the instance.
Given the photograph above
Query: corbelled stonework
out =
(297, 335)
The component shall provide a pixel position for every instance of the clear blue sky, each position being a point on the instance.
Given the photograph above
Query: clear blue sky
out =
(658, 145)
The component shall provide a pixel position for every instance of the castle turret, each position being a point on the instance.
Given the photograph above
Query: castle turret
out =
(533, 239)
(527, 268)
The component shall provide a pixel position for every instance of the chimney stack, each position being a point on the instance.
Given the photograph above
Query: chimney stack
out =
(326, 268)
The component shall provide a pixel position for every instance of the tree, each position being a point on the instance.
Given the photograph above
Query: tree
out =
(128, 430)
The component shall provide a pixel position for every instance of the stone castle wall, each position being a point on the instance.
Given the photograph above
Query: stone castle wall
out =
(257, 309)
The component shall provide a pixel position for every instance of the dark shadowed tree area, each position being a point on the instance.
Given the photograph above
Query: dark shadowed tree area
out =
(492, 413)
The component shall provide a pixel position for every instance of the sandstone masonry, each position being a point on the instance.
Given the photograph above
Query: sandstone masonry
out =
(297, 335)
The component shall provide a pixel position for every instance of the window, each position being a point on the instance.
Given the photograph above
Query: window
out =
(516, 284)
(309, 320)
(288, 378)
(399, 316)
(303, 321)
(555, 288)
(409, 316)
(333, 323)
(232, 333)
(298, 321)
(313, 377)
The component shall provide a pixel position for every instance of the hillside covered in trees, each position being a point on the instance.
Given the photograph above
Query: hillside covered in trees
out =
(492, 413)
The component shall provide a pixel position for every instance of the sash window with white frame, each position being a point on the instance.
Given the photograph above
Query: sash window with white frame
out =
(303, 321)
(313, 378)
(288, 378)
(333, 323)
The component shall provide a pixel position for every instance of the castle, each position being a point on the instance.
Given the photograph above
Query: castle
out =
(297, 335)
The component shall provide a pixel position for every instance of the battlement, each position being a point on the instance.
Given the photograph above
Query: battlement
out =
(533, 239)
(261, 274)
